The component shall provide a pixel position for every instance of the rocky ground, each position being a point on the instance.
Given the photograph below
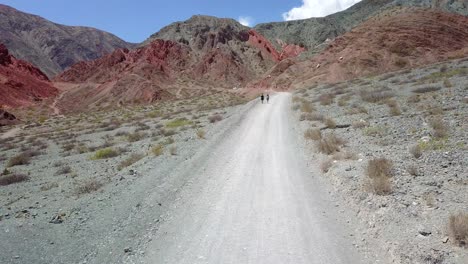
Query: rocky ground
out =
(398, 156)
(72, 189)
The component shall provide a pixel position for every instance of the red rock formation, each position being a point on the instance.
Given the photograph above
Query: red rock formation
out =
(394, 40)
(21, 84)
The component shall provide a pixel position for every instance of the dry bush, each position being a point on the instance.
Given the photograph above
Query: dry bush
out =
(413, 170)
(316, 116)
(447, 83)
(326, 99)
(360, 124)
(134, 137)
(12, 178)
(313, 134)
(416, 151)
(130, 160)
(307, 107)
(380, 171)
(215, 118)
(22, 158)
(105, 154)
(88, 186)
(394, 108)
(401, 62)
(329, 123)
(458, 228)
(440, 128)
(326, 165)
(414, 99)
(426, 89)
(377, 95)
(329, 144)
(158, 150)
(64, 170)
(201, 134)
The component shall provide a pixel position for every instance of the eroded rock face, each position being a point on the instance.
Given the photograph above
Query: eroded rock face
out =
(203, 51)
(52, 47)
(21, 84)
(397, 39)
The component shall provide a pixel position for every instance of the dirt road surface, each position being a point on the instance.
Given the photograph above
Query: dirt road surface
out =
(259, 203)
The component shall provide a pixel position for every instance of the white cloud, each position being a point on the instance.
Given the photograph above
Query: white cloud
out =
(318, 8)
(246, 21)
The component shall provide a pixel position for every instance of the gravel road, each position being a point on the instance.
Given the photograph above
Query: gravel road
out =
(254, 202)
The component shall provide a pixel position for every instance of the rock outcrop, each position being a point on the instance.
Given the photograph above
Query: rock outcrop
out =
(21, 84)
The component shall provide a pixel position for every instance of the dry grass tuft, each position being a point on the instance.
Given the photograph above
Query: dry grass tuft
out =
(173, 151)
(158, 150)
(12, 178)
(313, 134)
(440, 128)
(416, 151)
(215, 118)
(22, 159)
(426, 89)
(380, 171)
(88, 187)
(326, 99)
(330, 144)
(64, 170)
(307, 107)
(360, 124)
(201, 134)
(413, 170)
(377, 95)
(130, 160)
(458, 229)
(329, 123)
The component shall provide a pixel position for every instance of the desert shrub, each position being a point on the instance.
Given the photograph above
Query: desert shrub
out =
(178, 123)
(64, 170)
(329, 144)
(359, 124)
(88, 186)
(134, 137)
(401, 48)
(458, 228)
(313, 134)
(158, 150)
(329, 123)
(130, 160)
(416, 151)
(326, 165)
(121, 134)
(215, 118)
(380, 171)
(394, 108)
(307, 107)
(12, 178)
(22, 158)
(345, 155)
(376, 95)
(426, 89)
(439, 127)
(105, 154)
(326, 99)
(201, 134)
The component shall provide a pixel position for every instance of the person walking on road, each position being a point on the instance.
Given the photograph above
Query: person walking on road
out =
(262, 98)
(268, 98)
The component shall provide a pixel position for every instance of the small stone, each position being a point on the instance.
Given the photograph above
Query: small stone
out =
(424, 232)
(445, 240)
(127, 250)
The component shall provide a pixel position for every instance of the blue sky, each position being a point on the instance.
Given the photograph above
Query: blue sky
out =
(135, 20)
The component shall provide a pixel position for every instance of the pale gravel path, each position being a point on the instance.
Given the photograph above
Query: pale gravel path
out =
(258, 203)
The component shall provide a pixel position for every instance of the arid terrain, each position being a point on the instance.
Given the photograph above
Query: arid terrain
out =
(162, 152)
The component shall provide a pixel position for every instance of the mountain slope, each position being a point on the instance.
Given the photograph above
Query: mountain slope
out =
(21, 84)
(393, 40)
(315, 31)
(181, 60)
(52, 47)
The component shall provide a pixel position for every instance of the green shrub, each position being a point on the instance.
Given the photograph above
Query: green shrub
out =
(105, 154)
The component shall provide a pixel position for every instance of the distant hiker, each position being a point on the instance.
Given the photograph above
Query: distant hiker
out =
(268, 98)
(262, 98)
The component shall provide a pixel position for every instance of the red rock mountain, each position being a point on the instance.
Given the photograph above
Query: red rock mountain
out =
(396, 39)
(200, 53)
(53, 47)
(21, 84)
